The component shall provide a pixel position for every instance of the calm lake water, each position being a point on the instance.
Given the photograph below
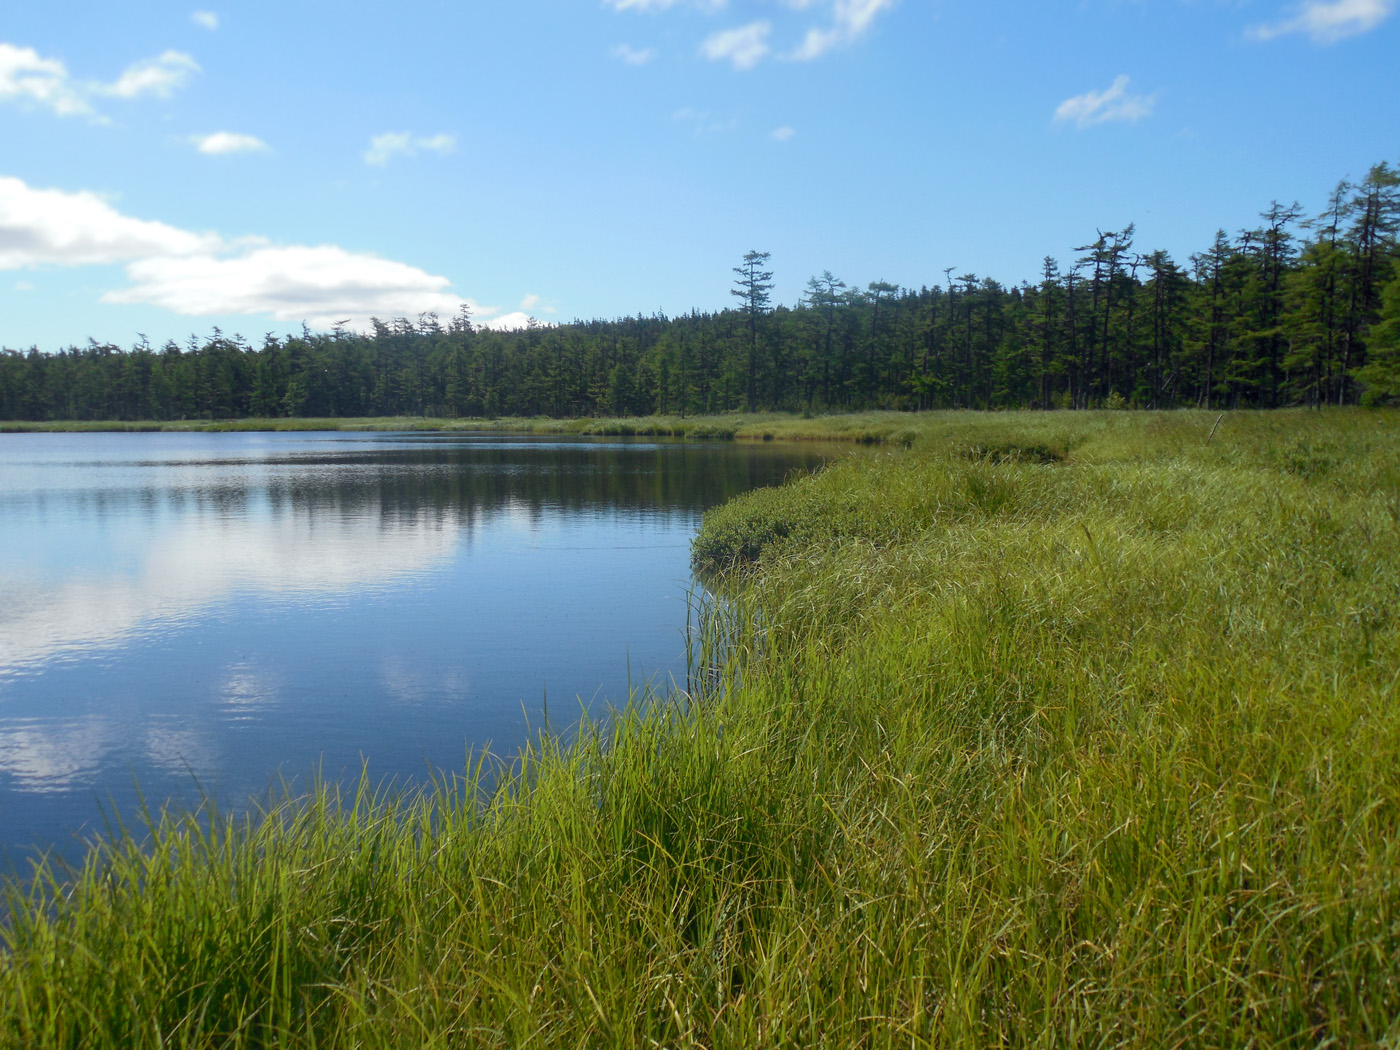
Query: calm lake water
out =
(215, 611)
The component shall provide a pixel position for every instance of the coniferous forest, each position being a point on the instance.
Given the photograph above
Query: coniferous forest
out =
(1298, 310)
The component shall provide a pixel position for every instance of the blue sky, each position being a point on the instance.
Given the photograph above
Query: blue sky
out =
(169, 167)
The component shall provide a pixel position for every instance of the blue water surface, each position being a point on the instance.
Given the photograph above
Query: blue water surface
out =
(188, 615)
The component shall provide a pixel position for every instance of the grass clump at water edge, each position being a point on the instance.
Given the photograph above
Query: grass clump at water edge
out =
(1099, 748)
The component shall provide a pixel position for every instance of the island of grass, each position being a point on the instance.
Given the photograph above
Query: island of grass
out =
(1052, 730)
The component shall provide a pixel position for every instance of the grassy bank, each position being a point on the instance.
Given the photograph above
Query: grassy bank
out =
(1047, 730)
(867, 427)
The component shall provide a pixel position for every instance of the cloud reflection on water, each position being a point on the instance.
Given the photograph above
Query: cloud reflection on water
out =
(203, 560)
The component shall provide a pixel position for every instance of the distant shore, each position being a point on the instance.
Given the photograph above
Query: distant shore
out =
(866, 427)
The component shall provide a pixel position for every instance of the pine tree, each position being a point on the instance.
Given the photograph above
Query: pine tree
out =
(753, 286)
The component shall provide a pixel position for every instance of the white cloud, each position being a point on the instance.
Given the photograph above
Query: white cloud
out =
(661, 5)
(508, 322)
(228, 142)
(851, 19)
(27, 77)
(783, 133)
(442, 142)
(743, 47)
(633, 56)
(53, 227)
(201, 275)
(529, 302)
(1100, 107)
(702, 122)
(321, 285)
(158, 76)
(24, 286)
(384, 148)
(205, 19)
(1327, 21)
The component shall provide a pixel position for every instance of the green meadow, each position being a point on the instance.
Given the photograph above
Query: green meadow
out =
(1034, 730)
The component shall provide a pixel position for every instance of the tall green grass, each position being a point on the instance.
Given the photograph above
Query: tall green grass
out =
(1045, 731)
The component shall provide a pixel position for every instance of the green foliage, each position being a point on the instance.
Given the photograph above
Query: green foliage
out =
(1381, 376)
(983, 750)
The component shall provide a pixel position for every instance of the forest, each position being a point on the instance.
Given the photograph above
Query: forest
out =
(1300, 310)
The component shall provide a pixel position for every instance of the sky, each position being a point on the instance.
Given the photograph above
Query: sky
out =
(168, 168)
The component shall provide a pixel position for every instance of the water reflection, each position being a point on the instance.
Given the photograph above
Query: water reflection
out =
(236, 607)
(201, 559)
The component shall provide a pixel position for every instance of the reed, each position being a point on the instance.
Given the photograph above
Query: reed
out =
(1045, 730)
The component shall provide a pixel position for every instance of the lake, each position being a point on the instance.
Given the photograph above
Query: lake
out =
(212, 613)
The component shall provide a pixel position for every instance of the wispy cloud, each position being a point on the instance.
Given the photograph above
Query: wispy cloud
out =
(820, 27)
(28, 78)
(743, 48)
(702, 122)
(783, 133)
(205, 20)
(663, 5)
(227, 142)
(633, 56)
(384, 148)
(160, 76)
(1101, 107)
(1328, 21)
(850, 20)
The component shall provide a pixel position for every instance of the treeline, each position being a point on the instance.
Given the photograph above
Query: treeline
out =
(1296, 311)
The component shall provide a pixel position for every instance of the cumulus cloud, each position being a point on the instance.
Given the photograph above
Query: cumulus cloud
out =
(1101, 107)
(53, 227)
(205, 20)
(744, 47)
(1328, 21)
(509, 322)
(321, 285)
(633, 56)
(227, 142)
(202, 275)
(850, 20)
(159, 76)
(384, 148)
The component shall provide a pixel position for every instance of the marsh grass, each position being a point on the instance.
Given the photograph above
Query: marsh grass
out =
(865, 427)
(1094, 749)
